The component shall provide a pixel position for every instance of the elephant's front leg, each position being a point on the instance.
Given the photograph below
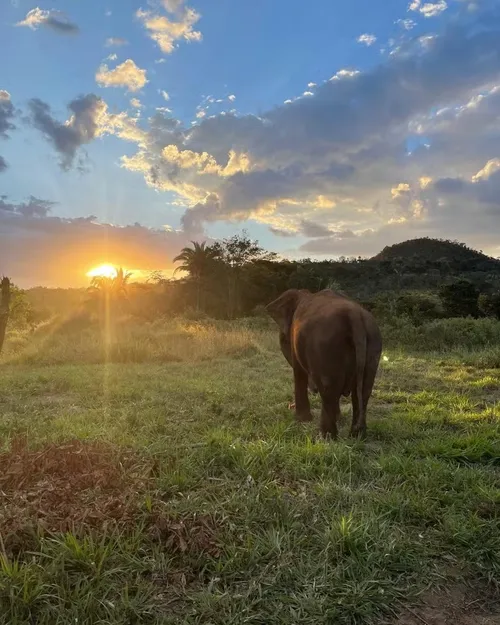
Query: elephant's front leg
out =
(302, 406)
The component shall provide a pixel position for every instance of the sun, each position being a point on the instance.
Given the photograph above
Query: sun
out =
(102, 271)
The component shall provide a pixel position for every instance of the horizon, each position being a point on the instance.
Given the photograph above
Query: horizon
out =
(324, 132)
(141, 277)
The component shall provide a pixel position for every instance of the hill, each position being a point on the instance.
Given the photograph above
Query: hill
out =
(434, 250)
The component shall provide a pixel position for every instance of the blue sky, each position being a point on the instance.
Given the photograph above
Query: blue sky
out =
(326, 128)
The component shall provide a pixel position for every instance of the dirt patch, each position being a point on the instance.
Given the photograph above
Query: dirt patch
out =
(192, 534)
(85, 486)
(60, 487)
(457, 606)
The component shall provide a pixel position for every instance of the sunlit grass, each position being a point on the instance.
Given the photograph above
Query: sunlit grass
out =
(245, 515)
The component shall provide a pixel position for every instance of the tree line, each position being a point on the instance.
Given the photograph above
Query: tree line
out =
(237, 277)
(421, 279)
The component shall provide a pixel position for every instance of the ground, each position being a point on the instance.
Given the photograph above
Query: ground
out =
(173, 486)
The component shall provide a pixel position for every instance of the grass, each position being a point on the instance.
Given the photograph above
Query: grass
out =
(171, 485)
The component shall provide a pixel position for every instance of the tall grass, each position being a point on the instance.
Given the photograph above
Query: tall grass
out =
(80, 339)
(129, 341)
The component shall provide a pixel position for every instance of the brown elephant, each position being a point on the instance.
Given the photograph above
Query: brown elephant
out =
(334, 347)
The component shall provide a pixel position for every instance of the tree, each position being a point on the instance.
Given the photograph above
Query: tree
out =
(460, 299)
(109, 292)
(4, 308)
(198, 261)
(236, 253)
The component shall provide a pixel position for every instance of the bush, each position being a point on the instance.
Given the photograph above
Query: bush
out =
(489, 304)
(460, 299)
(416, 306)
(443, 334)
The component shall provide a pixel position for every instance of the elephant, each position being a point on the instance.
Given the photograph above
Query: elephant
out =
(333, 346)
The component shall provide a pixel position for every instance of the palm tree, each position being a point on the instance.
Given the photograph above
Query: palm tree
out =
(108, 291)
(114, 287)
(197, 261)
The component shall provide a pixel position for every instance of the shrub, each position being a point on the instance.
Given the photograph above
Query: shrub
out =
(489, 304)
(416, 306)
(460, 299)
(443, 334)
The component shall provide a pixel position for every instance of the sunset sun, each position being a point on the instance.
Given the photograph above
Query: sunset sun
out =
(102, 271)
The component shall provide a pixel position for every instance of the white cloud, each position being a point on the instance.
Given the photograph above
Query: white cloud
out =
(367, 39)
(407, 24)
(201, 113)
(428, 9)
(232, 97)
(55, 20)
(112, 57)
(136, 103)
(165, 95)
(311, 85)
(125, 75)
(7, 114)
(165, 30)
(491, 168)
(345, 73)
(115, 41)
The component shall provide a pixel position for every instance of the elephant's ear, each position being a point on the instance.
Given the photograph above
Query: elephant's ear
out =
(282, 309)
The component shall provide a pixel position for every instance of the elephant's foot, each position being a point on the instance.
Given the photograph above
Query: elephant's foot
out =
(358, 431)
(303, 416)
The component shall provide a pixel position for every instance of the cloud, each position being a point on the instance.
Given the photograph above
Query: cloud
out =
(54, 20)
(165, 96)
(125, 75)
(48, 241)
(367, 39)
(430, 111)
(165, 30)
(86, 113)
(313, 230)
(136, 103)
(34, 207)
(483, 188)
(231, 97)
(428, 9)
(407, 24)
(115, 41)
(7, 114)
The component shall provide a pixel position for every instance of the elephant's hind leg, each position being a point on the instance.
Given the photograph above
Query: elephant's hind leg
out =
(302, 405)
(330, 412)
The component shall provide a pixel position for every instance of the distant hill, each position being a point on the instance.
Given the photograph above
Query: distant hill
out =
(434, 250)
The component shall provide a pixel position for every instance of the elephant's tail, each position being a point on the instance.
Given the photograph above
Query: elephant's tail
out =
(360, 342)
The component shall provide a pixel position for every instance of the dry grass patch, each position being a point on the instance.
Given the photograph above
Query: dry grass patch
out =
(62, 487)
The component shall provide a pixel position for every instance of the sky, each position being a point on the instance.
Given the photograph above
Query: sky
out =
(129, 128)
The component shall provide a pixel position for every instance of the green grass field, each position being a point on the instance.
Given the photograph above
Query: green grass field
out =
(158, 477)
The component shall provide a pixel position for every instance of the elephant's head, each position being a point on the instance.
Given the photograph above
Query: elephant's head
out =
(282, 311)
